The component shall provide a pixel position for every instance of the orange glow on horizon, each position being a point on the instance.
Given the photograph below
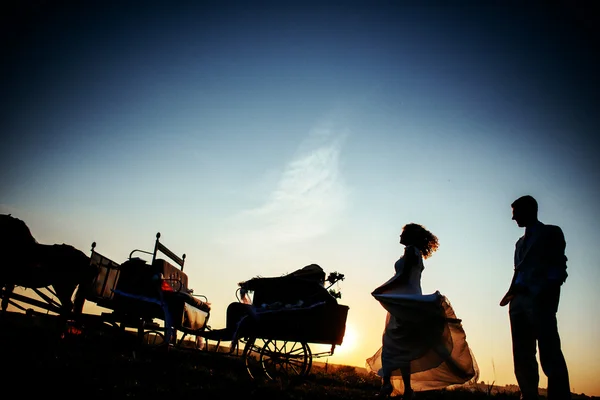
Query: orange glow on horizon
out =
(350, 340)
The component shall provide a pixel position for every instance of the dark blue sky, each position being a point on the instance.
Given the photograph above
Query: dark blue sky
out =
(535, 59)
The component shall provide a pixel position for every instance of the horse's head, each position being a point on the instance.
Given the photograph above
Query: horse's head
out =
(14, 233)
(69, 259)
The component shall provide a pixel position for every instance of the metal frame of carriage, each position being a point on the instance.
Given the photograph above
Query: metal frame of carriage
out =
(46, 302)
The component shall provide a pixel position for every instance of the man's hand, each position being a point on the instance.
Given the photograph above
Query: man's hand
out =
(507, 298)
(512, 292)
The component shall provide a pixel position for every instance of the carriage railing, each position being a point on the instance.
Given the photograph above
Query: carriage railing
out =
(108, 273)
(159, 247)
(107, 276)
(174, 282)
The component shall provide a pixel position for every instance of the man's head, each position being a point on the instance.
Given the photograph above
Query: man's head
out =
(524, 210)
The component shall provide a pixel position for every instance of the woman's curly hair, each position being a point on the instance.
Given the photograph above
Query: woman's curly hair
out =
(421, 238)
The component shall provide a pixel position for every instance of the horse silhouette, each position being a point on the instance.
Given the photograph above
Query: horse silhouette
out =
(25, 262)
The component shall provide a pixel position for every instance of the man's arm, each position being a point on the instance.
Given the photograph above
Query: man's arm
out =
(554, 257)
(510, 294)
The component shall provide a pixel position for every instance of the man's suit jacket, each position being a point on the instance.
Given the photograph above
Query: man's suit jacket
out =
(540, 259)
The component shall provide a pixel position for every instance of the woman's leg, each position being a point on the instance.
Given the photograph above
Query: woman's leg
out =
(386, 384)
(408, 392)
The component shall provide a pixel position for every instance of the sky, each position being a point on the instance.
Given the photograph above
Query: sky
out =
(260, 137)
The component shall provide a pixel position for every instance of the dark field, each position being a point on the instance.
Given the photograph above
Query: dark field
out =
(103, 363)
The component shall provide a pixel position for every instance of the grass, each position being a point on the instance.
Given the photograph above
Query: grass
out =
(100, 363)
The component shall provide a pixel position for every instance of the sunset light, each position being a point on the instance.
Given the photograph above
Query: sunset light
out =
(350, 341)
(260, 139)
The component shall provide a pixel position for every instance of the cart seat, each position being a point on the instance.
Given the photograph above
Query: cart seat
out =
(240, 316)
(175, 277)
(186, 298)
(175, 285)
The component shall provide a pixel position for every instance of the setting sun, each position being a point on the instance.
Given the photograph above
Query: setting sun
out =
(350, 340)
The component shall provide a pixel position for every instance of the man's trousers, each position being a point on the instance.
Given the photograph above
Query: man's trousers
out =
(533, 324)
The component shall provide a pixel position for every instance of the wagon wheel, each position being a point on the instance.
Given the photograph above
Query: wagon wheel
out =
(251, 356)
(151, 334)
(282, 359)
(309, 365)
(153, 339)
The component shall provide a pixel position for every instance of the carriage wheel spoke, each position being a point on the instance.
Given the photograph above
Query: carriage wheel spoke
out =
(283, 359)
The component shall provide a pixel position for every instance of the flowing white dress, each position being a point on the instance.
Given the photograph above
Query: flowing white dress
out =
(423, 331)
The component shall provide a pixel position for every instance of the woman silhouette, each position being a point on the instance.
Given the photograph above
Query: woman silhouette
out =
(417, 343)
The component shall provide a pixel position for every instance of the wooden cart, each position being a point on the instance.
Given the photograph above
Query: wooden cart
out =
(276, 319)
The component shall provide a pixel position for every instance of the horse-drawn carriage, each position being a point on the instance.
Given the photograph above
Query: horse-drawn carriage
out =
(275, 318)
(62, 278)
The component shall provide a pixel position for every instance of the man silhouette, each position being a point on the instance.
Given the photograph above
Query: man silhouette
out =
(534, 293)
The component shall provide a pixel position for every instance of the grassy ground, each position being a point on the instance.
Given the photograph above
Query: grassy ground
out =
(39, 361)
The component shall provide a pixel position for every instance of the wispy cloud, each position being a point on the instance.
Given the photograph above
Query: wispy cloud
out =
(308, 200)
